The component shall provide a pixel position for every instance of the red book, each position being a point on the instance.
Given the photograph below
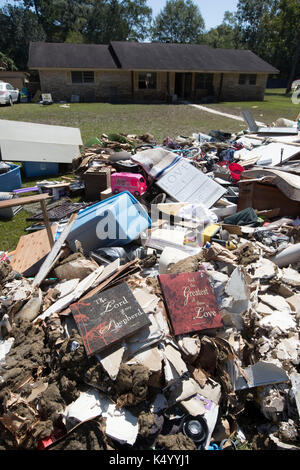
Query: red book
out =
(190, 301)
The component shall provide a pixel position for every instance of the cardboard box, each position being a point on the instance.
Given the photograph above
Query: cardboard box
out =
(96, 179)
(106, 194)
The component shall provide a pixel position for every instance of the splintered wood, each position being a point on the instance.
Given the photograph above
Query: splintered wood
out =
(31, 250)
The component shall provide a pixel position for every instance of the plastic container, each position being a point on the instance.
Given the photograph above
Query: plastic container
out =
(236, 170)
(11, 179)
(116, 221)
(33, 169)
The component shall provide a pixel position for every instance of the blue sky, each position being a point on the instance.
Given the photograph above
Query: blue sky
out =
(211, 10)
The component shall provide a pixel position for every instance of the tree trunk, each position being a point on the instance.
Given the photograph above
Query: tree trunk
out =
(293, 69)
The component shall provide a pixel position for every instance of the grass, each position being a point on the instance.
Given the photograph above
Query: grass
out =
(94, 119)
(161, 121)
(275, 105)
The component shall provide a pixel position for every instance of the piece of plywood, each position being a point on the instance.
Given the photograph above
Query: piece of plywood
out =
(31, 251)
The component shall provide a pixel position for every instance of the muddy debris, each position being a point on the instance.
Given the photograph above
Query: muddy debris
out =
(178, 331)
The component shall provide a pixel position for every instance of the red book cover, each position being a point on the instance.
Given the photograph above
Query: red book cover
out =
(190, 301)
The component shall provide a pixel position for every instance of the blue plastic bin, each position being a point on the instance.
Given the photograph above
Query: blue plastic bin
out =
(11, 180)
(116, 221)
(33, 169)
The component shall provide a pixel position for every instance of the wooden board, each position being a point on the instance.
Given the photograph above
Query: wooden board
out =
(54, 253)
(21, 201)
(31, 251)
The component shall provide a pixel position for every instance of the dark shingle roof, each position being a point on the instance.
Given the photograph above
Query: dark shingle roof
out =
(145, 56)
(74, 56)
(166, 56)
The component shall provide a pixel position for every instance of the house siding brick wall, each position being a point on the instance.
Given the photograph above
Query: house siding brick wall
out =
(232, 91)
(108, 85)
(117, 86)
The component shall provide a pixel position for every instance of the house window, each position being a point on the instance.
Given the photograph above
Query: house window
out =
(245, 79)
(147, 80)
(252, 79)
(204, 81)
(83, 77)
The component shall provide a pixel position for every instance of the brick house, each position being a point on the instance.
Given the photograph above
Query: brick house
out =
(16, 79)
(148, 72)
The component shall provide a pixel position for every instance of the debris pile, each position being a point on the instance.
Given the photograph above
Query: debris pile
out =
(165, 314)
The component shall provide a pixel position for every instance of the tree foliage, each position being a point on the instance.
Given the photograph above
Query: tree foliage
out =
(180, 22)
(6, 62)
(270, 28)
(227, 35)
(18, 27)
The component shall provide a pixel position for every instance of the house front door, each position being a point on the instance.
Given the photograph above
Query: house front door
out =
(183, 85)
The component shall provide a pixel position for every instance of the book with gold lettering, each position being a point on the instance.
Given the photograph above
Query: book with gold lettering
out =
(190, 301)
(108, 317)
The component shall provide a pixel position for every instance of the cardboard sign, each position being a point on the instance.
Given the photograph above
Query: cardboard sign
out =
(185, 183)
(47, 97)
(107, 318)
(190, 300)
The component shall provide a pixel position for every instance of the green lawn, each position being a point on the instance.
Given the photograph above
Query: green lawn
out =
(275, 105)
(161, 121)
(93, 119)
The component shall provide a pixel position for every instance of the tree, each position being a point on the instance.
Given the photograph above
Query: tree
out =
(289, 23)
(226, 35)
(270, 28)
(180, 22)
(18, 27)
(113, 20)
(57, 17)
(6, 62)
(74, 37)
(138, 18)
(104, 22)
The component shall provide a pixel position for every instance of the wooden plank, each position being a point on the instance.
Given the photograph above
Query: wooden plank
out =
(47, 223)
(21, 201)
(31, 250)
(54, 253)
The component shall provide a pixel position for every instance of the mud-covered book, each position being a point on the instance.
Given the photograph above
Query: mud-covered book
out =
(108, 317)
(190, 301)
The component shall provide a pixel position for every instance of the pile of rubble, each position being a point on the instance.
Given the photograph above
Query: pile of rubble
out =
(178, 329)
